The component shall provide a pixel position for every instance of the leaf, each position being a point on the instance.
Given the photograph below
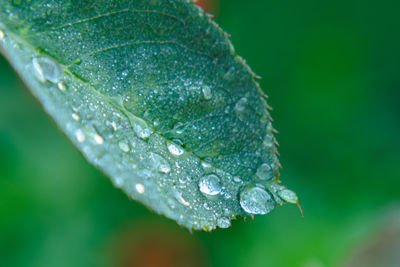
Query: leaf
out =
(154, 95)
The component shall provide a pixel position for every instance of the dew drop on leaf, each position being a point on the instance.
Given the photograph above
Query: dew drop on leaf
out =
(175, 149)
(210, 185)
(223, 222)
(264, 172)
(46, 69)
(256, 200)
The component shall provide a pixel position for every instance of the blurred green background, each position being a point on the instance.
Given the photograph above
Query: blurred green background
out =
(332, 71)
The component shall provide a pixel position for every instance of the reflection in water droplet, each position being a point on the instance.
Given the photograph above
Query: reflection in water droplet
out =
(124, 146)
(80, 136)
(223, 222)
(75, 116)
(46, 69)
(139, 188)
(288, 196)
(256, 200)
(159, 163)
(264, 172)
(241, 104)
(210, 185)
(207, 92)
(175, 149)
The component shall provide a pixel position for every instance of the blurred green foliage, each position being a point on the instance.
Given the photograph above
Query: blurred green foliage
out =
(332, 71)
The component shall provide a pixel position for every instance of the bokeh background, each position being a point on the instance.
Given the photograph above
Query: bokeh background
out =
(332, 71)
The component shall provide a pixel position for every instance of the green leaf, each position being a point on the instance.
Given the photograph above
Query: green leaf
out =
(153, 94)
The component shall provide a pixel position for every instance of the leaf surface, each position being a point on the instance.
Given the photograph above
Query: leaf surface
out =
(154, 95)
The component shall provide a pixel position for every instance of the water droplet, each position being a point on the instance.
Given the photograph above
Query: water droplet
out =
(98, 139)
(139, 188)
(75, 116)
(269, 141)
(2, 35)
(241, 104)
(223, 222)
(288, 196)
(255, 200)
(125, 73)
(142, 131)
(159, 163)
(80, 136)
(119, 182)
(46, 69)
(124, 146)
(237, 179)
(205, 164)
(61, 86)
(175, 149)
(264, 172)
(210, 185)
(207, 92)
(181, 200)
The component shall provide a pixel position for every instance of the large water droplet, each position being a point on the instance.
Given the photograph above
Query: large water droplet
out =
(241, 104)
(124, 146)
(264, 172)
(223, 222)
(255, 200)
(210, 185)
(288, 196)
(207, 92)
(159, 163)
(46, 69)
(175, 149)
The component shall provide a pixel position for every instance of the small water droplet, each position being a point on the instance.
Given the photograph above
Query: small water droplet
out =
(256, 200)
(125, 73)
(159, 163)
(98, 139)
(119, 182)
(181, 199)
(80, 136)
(264, 172)
(142, 131)
(241, 104)
(61, 86)
(46, 69)
(140, 188)
(237, 179)
(75, 116)
(223, 222)
(2, 35)
(269, 141)
(207, 92)
(124, 146)
(206, 165)
(210, 185)
(288, 196)
(175, 149)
